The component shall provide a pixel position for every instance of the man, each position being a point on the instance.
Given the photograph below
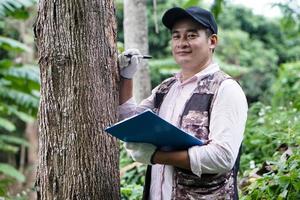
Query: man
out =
(200, 99)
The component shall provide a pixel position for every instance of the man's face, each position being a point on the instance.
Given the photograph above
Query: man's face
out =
(190, 46)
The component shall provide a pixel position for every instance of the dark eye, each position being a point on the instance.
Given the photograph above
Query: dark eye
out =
(175, 36)
(192, 35)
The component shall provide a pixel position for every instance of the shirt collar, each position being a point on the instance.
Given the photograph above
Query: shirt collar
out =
(210, 69)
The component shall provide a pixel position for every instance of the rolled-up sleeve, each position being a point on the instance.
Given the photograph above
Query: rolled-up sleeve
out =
(227, 125)
(130, 107)
(127, 109)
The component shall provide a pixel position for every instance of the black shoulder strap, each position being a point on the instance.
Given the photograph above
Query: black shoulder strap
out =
(147, 184)
(236, 169)
(162, 90)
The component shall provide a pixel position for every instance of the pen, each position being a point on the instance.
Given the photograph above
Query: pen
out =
(140, 56)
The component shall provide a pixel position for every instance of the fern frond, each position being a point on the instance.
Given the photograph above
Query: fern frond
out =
(11, 6)
(9, 139)
(26, 72)
(18, 98)
(7, 125)
(9, 170)
(8, 148)
(11, 44)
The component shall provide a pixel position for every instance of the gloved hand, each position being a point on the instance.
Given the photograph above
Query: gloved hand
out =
(129, 65)
(140, 152)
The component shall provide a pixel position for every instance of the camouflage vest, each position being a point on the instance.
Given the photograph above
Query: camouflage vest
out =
(195, 120)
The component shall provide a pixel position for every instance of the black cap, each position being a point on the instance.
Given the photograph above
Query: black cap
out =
(200, 15)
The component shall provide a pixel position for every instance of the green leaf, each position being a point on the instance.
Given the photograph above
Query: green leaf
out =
(24, 116)
(283, 194)
(190, 3)
(5, 63)
(19, 97)
(12, 7)
(217, 7)
(24, 73)
(9, 170)
(14, 140)
(11, 44)
(7, 125)
(20, 14)
(8, 148)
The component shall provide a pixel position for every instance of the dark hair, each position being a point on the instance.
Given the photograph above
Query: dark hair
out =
(208, 32)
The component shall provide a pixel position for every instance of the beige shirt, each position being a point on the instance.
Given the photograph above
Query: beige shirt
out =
(227, 123)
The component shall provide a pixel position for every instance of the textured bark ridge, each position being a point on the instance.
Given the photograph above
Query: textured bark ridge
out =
(136, 36)
(76, 42)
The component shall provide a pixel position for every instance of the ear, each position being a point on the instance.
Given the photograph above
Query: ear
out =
(213, 41)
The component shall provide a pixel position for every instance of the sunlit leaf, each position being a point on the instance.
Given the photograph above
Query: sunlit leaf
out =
(11, 44)
(12, 7)
(14, 140)
(9, 170)
(7, 125)
(190, 3)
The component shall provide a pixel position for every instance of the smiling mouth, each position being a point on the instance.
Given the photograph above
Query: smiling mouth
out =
(183, 53)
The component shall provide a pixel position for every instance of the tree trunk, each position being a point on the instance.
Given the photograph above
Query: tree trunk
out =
(136, 36)
(77, 56)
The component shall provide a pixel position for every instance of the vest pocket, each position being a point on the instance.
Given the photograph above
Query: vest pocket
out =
(196, 123)
(207, 184)
(195, 117)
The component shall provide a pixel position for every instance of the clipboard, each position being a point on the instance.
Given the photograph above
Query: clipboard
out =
(148, 127)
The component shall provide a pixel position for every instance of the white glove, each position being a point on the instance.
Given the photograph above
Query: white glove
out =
(129, 65)
(140, 152)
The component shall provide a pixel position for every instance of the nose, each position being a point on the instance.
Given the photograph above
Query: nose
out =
(182, 43)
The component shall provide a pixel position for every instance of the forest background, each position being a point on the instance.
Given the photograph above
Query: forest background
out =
(263, 54)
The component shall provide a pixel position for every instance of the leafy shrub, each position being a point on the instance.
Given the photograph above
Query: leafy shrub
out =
(132, 178)
(238, 48)
(283, 182)
(275, 174)
(268, 128)
(19, 93)
(286, 88)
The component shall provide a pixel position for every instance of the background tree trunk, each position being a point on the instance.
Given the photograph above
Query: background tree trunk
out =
(136, 36)
(77, 55)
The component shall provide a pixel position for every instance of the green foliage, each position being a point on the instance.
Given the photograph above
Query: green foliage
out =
(217, 7)
(286, 88)
(160, 69)
(10, 144)
(11, 172)
(235, 71)
(7, 125)
(190, 3)
(282, 183)
(131, 192)
(10, 44)
(291, 19)
(19, 91)
(10, 175)
(284, 42)
(268, 130)
(236, 47)
(15, 8)
(133, 180)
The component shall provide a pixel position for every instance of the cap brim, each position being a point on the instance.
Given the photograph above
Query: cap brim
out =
(175, 14)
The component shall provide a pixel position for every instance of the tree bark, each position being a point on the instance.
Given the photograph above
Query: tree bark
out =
(136, 36)
(77, 56)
